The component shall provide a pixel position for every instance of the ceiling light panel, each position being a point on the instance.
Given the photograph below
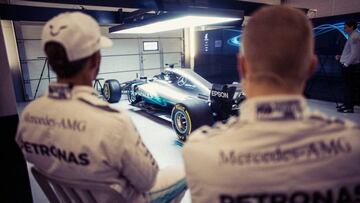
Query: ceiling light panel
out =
(177, 23)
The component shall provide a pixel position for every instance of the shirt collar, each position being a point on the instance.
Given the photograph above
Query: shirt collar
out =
(67, 91)
(273, 108)
(354, 33)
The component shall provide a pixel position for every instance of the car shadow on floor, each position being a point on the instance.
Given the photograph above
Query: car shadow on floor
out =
(154, 118)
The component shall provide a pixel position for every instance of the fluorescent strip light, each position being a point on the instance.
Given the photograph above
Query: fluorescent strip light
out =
(177, 23)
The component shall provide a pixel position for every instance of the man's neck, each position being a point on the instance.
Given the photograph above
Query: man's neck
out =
(263, 91)
(75, 82)
(350, 32)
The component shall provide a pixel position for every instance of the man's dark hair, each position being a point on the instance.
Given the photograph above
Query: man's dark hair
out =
(60, 63)
(352, 23)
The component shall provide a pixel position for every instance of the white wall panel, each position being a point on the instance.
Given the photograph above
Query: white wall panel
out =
(32, 49)
(121, 76)
(173, 33)
(122, 46)
(44, 83)
(151, 73)
(171, 45)
(151, 61)
(36, 67)
(29, 31)
(121, 62)
(170, 58)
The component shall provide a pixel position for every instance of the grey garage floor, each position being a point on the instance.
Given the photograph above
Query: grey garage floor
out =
(162, 142)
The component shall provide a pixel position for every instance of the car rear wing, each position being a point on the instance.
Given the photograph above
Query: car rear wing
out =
(221, 92)
(222, 99)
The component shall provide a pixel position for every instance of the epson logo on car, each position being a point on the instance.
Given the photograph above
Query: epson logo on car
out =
(220, 94)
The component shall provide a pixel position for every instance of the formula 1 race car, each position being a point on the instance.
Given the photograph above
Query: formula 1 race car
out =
(185, 98)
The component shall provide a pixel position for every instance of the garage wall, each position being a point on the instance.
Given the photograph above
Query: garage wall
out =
(328, 7)
(13, 57)
(324, 7)
(7, 95)
(275, 2)
(16, 178)
(123, 61)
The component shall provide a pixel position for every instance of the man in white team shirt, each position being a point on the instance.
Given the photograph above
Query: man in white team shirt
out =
(70, 133)
(276, 151)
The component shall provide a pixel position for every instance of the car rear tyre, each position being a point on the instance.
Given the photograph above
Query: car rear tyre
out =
(112, 91)
(188, 116)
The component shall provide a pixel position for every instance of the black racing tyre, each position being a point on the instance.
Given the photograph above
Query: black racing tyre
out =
(112, 91)
(190, 115)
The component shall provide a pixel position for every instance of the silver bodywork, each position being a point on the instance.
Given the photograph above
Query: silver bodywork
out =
(174, 86)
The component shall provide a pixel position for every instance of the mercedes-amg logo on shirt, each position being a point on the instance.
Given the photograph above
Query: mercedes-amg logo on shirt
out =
(56, 32)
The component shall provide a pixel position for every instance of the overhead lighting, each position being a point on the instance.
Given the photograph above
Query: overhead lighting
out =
(176, 23)
(166, 21)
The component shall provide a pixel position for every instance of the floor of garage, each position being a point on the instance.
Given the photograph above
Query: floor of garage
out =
(161, 140)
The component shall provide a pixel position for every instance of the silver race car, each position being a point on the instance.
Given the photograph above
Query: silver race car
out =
(184, 98)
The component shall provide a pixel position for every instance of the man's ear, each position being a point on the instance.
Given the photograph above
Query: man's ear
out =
(242, 66)
(313, 65)
(95, 59)
(94, 64)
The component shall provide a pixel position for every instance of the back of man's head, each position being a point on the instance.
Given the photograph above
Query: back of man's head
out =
(60, 63)
(69, 40)
(352, 23)
(278, 44)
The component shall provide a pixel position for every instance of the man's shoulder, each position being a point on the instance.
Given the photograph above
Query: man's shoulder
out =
(332, 120)
(38, 103)
(105, 112)
(88, 107)
(221, 132)
(355, 36)
(97, 103)
(207, 133)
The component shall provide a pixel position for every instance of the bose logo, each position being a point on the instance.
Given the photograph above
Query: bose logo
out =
(220, 94)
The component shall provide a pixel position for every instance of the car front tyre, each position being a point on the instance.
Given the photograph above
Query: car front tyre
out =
(112, 91)
(181, 121)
